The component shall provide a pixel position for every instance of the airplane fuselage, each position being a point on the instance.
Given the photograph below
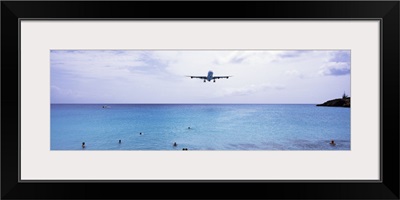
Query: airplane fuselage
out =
(210, 76)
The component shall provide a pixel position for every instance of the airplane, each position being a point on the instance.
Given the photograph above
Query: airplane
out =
(209, 77)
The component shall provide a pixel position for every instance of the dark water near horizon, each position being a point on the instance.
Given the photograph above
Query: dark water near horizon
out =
(212, 127)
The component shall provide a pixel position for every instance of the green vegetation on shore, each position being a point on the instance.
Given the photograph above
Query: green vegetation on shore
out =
(342, 102)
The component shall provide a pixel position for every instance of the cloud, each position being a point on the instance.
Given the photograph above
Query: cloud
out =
(101, 64)
(260, 57)
(335, 69)
(247, 57)
(55, 89)
(340, 56)
(291, 54)
(236, 57)
(293, 73)
(58, 93)
(251, 89)
(338, 65)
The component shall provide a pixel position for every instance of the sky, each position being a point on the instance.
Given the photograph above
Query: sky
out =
(160, 76)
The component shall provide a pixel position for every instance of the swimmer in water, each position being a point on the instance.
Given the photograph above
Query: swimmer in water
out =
(83, 144)
(332, 143)
(175, 144)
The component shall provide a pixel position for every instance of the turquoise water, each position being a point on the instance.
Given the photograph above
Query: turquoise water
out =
(212, 127)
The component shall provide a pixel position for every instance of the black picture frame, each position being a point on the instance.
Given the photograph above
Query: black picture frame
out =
(386, 11)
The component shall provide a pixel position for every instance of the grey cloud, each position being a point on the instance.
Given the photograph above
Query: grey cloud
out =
(335, 69)
(237, 59)
(341, 56)
(338, 65)
(338, 72)
(292, 54)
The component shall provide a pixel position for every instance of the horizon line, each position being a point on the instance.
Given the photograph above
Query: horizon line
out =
(186, 103)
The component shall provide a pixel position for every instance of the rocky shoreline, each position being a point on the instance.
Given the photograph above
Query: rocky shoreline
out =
(343, 102)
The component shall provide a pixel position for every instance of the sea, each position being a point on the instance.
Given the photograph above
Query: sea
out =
(201, 127)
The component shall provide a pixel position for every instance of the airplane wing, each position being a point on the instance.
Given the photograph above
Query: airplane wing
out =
(200, 77)
(218, 77)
